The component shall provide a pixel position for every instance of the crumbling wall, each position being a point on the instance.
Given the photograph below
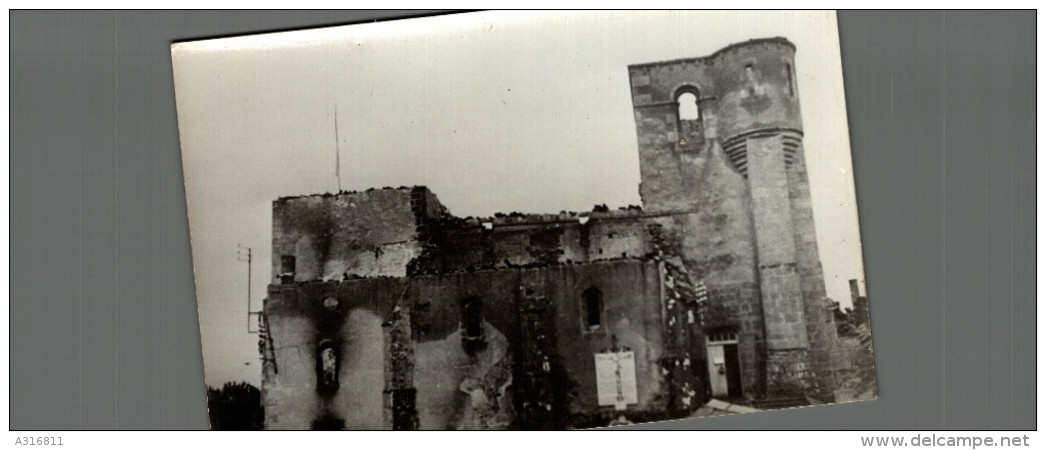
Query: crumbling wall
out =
(683, 328)
(521, 241)
(647, 309)
(633, 320)
(345, 315)
(400, 396)
(287, 394)
(461, 385)
(536, 367)
(542, 385)
(334, 236)
(361, 374)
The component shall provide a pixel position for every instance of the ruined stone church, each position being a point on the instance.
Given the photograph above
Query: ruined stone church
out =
(385, 311)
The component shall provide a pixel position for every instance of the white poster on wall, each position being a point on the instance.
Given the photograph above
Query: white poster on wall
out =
(616, 379)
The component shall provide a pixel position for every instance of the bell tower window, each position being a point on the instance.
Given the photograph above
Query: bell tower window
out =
(687, 104)
(688, 118)
(750, 79)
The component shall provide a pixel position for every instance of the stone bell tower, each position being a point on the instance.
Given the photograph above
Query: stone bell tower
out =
(748, 118)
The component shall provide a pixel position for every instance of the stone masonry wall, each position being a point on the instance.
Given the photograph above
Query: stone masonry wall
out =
(347, 315)
(351, 234)
(453, 384)
(392, 282)
(820, 322)
(744, 88)
(779, 281)
(530, 241)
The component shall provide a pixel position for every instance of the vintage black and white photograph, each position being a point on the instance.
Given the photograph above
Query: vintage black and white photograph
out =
(524, 220)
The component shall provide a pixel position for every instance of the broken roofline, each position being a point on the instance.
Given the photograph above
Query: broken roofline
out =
(340, 193)
(467, 271)
(598, 212)
(564, 218)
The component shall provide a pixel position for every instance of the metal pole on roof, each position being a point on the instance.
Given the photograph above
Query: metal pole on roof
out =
(337, 150)
(245, 252)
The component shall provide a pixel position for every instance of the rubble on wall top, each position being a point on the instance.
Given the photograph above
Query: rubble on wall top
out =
(506, 265)
(515, 218)
(343, 192)
(478, 269)
(518, 218)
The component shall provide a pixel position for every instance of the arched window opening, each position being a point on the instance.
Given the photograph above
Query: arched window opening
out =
(788, 73)
(472, 323)
(687, 104)
(287, 270)
(750, 79)
(688, 118)
(593, 303)
(327, 367)
(472, 316)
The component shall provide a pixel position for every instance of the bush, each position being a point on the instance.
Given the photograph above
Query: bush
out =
(236, 406)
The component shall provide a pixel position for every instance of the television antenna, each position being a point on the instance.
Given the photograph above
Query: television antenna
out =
(244, 253)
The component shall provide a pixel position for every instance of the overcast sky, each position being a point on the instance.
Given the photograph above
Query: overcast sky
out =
(494, 112)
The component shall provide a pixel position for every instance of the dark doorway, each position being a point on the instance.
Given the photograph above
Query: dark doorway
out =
(404, 416)
(733, 370)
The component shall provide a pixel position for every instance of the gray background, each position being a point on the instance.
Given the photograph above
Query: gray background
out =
(104, 331)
